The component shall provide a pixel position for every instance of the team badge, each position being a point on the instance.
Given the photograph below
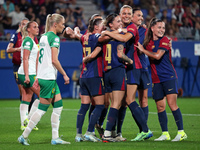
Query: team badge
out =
(57, 39)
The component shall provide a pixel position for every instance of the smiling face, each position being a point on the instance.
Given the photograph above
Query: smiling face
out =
(158, 30)
(126, 16)
(116, 24)
(138, 18)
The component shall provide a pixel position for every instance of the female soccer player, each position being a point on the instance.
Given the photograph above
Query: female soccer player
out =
(91, 81)
(133, 71)
(14, 47)
(48, 64)
(144, 80)
(113, 57)
(164, 78)
(27, 69)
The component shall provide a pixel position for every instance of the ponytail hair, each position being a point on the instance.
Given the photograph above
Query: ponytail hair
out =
(51, 19)
(149, 34)
(92, 23)
(24, 29)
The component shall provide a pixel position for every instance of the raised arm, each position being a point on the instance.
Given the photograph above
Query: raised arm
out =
(119, 37)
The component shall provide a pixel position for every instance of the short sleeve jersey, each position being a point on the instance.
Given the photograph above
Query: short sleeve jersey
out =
(46, 70)
(110, 58)
(161, 70)
(142, 33)
(16, 39)
(30, 45)
(94, 67)
(131, 50)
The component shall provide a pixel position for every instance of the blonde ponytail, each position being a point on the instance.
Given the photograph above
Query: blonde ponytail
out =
(51, 19)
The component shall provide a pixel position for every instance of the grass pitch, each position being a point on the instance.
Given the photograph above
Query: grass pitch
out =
(10, 128)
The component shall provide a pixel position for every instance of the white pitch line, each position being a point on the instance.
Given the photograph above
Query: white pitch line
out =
(65, 109)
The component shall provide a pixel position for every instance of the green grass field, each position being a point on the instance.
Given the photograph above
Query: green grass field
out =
(10, 128)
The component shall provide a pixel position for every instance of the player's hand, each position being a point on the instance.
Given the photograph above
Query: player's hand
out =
(27, 80)
(129, 63)
(19, 49)
(36, 84)
(76, 30)
(86, 36)
(139, 46)
(66, 79)
(144, 26)
(69, 31)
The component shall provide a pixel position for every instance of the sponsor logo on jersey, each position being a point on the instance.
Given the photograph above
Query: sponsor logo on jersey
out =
(56, 44)
(163, 43)
(26, 46)
(153, 47)
(131, 29)
(57, 39)
(28, 43)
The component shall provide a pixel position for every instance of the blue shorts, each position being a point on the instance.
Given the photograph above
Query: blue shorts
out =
(115, 80)
(133, 76)
(145, 82)
(15, 70)
(92, 86)
(160, 90)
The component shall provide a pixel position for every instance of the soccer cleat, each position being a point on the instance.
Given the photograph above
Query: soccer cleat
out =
(119, 138)
(59, 141)
(180, 136)
(148, 135)
(107, 139)
(143, 135)
(164, 137)
(22, 140)
(26, 121)
(139, 137)
(100, 130)
(89, 136)
(22, 128)
(35, 128)
(79, 138)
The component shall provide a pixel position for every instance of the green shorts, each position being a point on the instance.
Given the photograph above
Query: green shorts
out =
(22, 79)
(48, 88)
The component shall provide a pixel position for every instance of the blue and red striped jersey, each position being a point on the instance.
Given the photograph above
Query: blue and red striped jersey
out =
(142, 32)
(94, 67)
(131, 50)
(161, 70)
(110, 58)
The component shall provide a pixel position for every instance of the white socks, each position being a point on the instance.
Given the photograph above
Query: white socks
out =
(55, 121)
(34, 107)
(33, 122)
(23, 112)
(107, 133)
